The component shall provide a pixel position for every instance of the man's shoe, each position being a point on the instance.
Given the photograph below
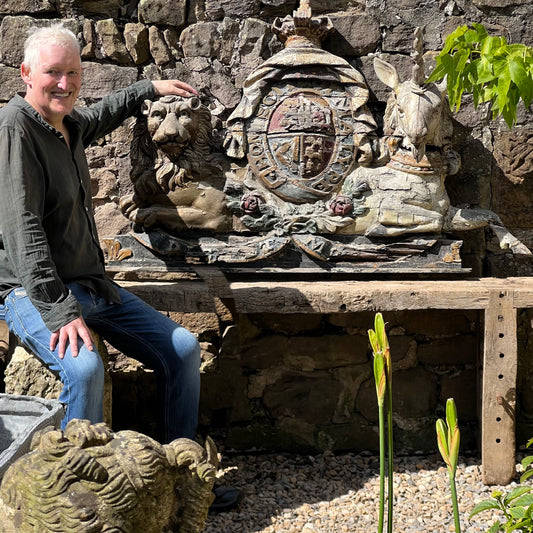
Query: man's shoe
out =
(226, 498)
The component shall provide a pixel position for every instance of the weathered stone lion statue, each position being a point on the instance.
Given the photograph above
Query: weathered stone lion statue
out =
(89, 479)
(177, 179)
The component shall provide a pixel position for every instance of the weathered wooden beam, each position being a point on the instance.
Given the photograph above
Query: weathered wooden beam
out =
(499, 390)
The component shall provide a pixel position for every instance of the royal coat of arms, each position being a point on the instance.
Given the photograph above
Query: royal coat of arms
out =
(304, 127)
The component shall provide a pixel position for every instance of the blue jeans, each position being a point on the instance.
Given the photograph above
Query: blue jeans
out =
(135, 329)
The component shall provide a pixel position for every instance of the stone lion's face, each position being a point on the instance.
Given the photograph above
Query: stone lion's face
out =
(173, 123)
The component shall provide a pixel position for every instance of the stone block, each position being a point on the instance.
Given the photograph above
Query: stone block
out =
(136, 40)
(512, 180)
(218, 9)
(13, 31)
(264, 352)
(312, 397)
(355, 35)
(330, 351)
(10, 82)
(434, 323)
(99, 79)
(13, 7)
(158, 46)
(463, 388)
(89, 8)
(458, 350)
(112, 42)
(201, 39)
(287, 324)
(163, 12)
(413, 394)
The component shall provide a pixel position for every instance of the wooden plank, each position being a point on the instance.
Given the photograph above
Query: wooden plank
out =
(182, 296)
(499, 390)
(330, 296)
(353, 296)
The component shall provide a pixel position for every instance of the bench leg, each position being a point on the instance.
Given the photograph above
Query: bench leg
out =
(499, 391)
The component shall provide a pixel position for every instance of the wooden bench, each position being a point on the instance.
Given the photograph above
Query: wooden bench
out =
(499, 300)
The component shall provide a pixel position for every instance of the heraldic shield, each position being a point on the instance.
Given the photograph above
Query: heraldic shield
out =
(301, 143)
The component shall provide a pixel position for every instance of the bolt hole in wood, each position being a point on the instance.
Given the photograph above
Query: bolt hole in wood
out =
(498, 441)
(502, 294)
(502, 356)
(500, 376)
(501, 335)
(498, 419)
(500, 318)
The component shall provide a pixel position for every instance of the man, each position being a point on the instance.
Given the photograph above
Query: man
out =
(53, 278)
(53, 285)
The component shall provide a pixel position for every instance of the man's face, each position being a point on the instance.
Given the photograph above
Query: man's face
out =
(54, 83)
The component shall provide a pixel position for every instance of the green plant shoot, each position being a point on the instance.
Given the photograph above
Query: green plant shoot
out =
(488, 67)
(383, 379)
(515, 506)
(448, 438)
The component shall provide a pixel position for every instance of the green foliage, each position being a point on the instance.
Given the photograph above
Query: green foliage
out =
(448, 438)
(380, 347)
(383, 378)
(516, 506)
(526, 464)
(489, 68)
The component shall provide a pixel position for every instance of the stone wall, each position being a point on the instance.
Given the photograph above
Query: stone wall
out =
(304, 382)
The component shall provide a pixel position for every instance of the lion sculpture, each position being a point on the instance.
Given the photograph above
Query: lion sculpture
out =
(178, 181)
(89, 479)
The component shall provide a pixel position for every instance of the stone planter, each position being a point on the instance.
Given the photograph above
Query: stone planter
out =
(20, 418)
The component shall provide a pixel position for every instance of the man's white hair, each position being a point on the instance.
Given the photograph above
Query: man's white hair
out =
(56, 34)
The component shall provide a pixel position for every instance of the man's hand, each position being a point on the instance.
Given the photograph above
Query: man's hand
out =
(177, 87)
(69, 334)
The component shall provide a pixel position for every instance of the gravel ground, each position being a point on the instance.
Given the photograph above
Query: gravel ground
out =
(340, 493)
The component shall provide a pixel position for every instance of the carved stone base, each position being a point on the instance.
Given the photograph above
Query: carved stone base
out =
(296, 253)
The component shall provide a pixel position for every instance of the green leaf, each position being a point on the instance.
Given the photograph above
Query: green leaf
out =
(454, 448)
(438, 72)
(481, 30)
(380, 378)
(484, 505)
(526, 461)
(524, 501)
(517, 512)
(489, 68)
(516, 493)
(485, 71)
(379, 326)
(442, 441)
(373, 338)
(495, 528)
(451, 413)
(451, 40)
(521, 78)
(526, 475)
(521, 525)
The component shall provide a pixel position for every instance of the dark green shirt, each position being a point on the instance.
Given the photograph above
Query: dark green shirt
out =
(48, 235)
